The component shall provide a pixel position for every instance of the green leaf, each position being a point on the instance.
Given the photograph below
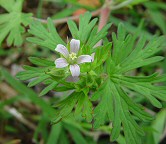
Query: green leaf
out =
(101, 56)
(41, 61)
(48, 88)
(140, 63)
(85, 26)
(104, 110)
(63, 137)
(8, 4)
(66, 106)
(38, 80)
(48, 38)
(155, 5)
(122, 115)
(76, 135)
(86, 32)
(121, 140)
(53, 32)
(73, 28)
(42, 124)
(131, 28)
(158, 125)
(11, 24)
(84, 106)
(136, 109)
(25, 75)
(149, 78)
(155, 14)
(136, 2)
(36, 69)
(158, 19)
(126, 56)
(54, 134)
(144, 88)
(161, 78)
(97, 36)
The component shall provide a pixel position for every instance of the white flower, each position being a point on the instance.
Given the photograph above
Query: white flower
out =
(71, 59)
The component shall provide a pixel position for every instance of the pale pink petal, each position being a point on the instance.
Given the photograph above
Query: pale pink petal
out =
(75, 70)
(62, 49)
(84, 59)
(74, 46)
(72, 79)
(61, 62)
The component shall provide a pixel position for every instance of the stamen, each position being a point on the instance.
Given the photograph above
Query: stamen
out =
(73, 56)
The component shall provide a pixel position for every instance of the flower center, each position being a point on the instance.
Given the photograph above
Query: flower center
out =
(73, 56)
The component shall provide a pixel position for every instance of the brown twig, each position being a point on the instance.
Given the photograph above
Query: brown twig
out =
(19, 117)
(64, 20)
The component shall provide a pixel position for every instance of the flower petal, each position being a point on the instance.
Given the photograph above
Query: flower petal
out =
(84, 59)
(75, 70)
(62, 49)
(74, 46)
(72, 79)
(61, 62)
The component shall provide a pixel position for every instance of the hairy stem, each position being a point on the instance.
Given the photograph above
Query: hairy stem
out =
(104, 17)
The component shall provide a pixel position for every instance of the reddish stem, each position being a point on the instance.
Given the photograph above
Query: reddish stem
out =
(104, 17)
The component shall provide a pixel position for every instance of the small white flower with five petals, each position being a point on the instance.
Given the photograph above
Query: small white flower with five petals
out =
(71, 59)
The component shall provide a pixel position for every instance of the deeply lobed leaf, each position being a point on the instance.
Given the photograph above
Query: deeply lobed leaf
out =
(11, 24)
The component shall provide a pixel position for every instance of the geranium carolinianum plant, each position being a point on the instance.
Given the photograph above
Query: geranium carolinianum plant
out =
(105, 81)
(72, 58)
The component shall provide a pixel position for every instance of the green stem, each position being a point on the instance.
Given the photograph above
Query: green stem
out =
(123, 4)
